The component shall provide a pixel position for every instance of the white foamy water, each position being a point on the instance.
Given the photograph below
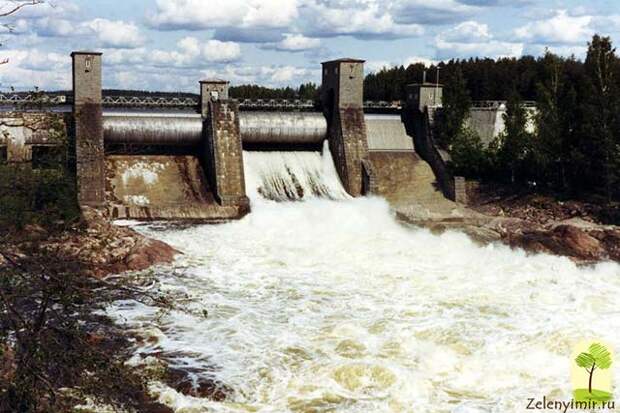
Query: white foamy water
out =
(292, 176)
(333, 306)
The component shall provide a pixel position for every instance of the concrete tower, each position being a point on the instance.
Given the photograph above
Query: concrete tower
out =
(212, 90)
(343, 96)
(88, 118)
(222, 145)
(421, 95)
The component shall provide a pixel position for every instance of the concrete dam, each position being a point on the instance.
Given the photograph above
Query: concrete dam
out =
(157, 159)
(167, 164)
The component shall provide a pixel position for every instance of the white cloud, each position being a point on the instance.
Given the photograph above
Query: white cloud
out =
(35, 68)
(265, 75)
(431, 12)
(471, 38)
(116, 34)
(200, 14)
(418, 59)
(216, 51)
(293, 43)
(358, 18)
(467, 32)
(298, 42)
(190, 53)
(561, 28)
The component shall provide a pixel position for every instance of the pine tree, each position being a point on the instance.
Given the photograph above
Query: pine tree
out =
(550, 148)
(515, 141)
(601, 127)
(456, 107)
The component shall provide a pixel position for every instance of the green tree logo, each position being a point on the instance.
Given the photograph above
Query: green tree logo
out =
(596, 358)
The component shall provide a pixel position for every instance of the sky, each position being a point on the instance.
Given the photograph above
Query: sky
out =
(169, 45)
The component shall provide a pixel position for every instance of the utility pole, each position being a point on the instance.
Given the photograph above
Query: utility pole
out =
(437, 86)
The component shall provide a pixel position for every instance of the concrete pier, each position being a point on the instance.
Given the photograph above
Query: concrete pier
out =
(88, 128)
(342, 96)
(223, 148)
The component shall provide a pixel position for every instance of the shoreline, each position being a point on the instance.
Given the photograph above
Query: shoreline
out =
(105, 251)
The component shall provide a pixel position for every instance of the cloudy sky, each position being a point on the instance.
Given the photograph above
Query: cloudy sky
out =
(171, 44)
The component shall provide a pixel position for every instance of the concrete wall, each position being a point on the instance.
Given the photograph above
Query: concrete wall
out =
(224, 154)
(20, 132)
(343, 90)
(387, 133)
(88, 128)
(488, 122)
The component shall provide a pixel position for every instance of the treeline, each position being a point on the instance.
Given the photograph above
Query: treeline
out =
(575, 148)
(487, 79)
(307, 91)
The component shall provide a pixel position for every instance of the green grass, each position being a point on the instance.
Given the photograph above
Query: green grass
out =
(583, 395)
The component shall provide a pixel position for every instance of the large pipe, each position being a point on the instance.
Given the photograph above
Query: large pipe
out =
(186, 129)
(152, 129)
(282, 127)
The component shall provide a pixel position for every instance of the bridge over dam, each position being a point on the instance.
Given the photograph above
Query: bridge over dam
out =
(140, 163)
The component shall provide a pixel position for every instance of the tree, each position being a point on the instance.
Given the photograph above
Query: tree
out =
(456, 107)
(550, 147)
(514, 142)
(469, 156)
(601, 127)
(597, 357)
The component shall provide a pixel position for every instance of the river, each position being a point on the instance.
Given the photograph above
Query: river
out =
(331, 305)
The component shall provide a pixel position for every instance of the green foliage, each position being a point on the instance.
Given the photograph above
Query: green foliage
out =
(597, 357)
(514, 144)
(43, 193)
(456, 107)
(469, 156)
(307, 91)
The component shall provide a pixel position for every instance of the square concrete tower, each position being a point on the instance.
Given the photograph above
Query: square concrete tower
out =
(212, 90)
(420, 95)
(343, 107)
(343, 83)
(88, 119)
(86, 77)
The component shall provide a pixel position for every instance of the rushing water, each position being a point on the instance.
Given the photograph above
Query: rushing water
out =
(333, 306)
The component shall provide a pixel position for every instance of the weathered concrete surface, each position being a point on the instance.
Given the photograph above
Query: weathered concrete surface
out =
(409, 185)
(387, 133)
(342, 95)
(160, 187)
(224, 154)
(488, 122)
(88, 118)
(21, 131)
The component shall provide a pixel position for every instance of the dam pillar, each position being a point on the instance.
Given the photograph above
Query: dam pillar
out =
(212, 90)
(342, 97)
(419, 117)
(88, 128)
(223, 148)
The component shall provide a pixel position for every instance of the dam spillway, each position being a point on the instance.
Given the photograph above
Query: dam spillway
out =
(385, 132)
(186, 129)
(292, 175)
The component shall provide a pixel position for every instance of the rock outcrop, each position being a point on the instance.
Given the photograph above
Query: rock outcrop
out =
(102, 247)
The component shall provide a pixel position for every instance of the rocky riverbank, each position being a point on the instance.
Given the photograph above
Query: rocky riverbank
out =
(535, 223)
(53, 286)
(102, 248)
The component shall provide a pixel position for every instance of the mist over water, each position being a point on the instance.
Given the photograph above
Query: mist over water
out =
(325, 305)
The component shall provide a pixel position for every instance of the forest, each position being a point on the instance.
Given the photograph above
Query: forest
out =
(575, 149)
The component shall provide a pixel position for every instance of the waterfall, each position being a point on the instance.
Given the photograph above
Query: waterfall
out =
(292, 175)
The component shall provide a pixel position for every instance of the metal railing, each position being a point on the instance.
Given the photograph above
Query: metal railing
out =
(178, 102)
(496, 104)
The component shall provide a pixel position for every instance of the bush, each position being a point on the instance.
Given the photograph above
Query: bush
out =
(36, 196)
(469, 156)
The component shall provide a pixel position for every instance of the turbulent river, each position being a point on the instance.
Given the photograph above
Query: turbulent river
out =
(331, 305)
